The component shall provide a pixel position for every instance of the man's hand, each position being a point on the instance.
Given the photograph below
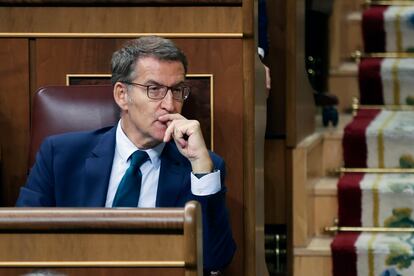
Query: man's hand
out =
(189, 140)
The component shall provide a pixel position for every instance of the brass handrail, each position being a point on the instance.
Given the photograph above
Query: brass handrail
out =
(393, 107)
(335, 229)
(388, 3)
(340, 171)
(358, 55)
(403, 107)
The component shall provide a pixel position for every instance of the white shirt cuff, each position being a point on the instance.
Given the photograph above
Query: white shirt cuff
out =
(207, 185)
(261, 52)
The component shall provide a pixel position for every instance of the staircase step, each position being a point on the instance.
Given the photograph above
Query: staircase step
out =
(325, 204)
(318, 246)
(372, 254)
(379, 139)
(345, 30)
(352, 34)
(346, 69)
(377, 79)
(332, 142)
(315, 259)
(352, 5)
(343, 82)
(326, 186)
(386, 81)
(324, 192)
(387, 29)
(312, 255)
(333, 132)
(381, 200)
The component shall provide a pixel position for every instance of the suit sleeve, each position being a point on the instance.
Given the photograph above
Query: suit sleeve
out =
(218, 243)
(39, 189)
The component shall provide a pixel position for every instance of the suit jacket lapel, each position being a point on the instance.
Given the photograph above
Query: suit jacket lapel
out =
(172, 176)
(98, 168)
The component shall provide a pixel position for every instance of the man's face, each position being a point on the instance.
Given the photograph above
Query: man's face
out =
(140, 117)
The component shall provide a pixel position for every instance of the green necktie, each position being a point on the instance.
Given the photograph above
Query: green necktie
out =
(128, 191)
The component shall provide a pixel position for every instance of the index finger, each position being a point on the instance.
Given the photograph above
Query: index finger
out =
(171, 117)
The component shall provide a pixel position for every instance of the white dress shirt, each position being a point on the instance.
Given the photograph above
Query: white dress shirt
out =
(206, 185)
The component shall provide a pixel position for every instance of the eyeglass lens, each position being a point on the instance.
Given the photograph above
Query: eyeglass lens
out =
(159, 92)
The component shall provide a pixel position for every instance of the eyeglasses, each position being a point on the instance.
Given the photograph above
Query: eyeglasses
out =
(158, 92)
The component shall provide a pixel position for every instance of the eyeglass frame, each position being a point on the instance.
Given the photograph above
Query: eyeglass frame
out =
(166, 91)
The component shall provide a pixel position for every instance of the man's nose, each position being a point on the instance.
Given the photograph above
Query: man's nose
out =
(168, 101)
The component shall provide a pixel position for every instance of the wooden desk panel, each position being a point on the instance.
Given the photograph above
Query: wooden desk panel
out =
(14, 116)
(74, 247)
(128, 2)
(120, 20)
(95, 271)
(75, 238)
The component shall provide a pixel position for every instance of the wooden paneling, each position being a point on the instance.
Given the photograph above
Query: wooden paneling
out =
(14, 116)
(300, 104)
(251, 199)
(248, 159)
(300, 201)
(219, 57)
(345, 85)
(95, 238)
(120, 2)
(90, 247)
(290, 119)
(304, 157)
(249, 189)
(291, 107)
(326, 210)
(276, 103)
(313, 265)
(120, 20)
(94, 271)
(55, 58)
(275, 182)
(332, 151)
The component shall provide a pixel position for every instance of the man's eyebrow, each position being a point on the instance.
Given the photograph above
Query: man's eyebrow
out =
(153, 82)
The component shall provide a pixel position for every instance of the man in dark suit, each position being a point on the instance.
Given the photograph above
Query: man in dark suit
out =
(100, 168)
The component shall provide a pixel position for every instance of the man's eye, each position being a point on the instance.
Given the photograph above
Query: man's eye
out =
(176, 89)
(154, 88)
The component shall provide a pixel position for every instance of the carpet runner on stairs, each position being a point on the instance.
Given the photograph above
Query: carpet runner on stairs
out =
(370, 254)
(376, 200)
(386, 81)
(388, 29)
(376, 139)
(380, 139)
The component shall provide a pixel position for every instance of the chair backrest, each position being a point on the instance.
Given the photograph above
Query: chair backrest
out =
(59, 109)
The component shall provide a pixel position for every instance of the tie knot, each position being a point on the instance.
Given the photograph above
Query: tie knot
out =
(138, 158)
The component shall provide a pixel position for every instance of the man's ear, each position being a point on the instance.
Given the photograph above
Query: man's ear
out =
(121, 95)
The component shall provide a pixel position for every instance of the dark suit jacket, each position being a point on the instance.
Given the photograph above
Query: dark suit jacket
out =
(73, 170)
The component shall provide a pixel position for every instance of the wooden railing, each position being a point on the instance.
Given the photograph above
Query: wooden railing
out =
(153, 241)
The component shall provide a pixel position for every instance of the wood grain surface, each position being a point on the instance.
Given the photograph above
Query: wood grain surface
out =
(14, 116)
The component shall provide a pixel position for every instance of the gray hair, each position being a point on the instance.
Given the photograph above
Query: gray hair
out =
(124, 60)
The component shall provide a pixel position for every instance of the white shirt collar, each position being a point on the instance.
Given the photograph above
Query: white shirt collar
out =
(125, 147)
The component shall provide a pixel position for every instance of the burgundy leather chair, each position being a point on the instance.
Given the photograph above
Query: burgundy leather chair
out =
(59, 109)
